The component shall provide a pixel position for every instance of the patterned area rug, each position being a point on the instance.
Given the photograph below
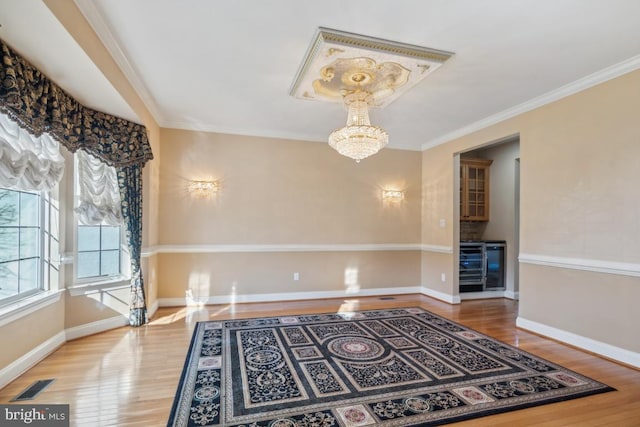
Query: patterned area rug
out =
(394, 367)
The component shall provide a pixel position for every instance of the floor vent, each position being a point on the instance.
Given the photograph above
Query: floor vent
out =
(387, 298)
(32, 391)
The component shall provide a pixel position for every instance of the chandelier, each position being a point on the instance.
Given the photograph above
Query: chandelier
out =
(358, 139)
(361, 72)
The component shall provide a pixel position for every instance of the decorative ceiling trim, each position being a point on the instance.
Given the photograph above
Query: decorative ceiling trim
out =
(90, 11)
(572, 88)
(338, 63)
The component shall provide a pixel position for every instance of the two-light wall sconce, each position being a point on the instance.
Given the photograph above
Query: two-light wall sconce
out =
(392, 196)
(203, 189)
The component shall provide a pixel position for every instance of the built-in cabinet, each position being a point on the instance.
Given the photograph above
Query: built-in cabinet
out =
(474, 189)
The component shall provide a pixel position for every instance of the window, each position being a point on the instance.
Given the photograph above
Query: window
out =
(21, 235)
(99, 249)
(99, 254)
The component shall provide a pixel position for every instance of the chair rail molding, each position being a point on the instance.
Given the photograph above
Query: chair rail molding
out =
(594, 265)
(237, 248)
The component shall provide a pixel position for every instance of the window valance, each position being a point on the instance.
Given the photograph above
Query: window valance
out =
(38, 105)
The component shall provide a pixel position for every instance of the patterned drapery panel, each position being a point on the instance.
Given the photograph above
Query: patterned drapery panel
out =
(130, 183)
(40, 106)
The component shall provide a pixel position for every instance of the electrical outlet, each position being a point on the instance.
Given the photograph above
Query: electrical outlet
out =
(296, 276)
(443, 223)
(443, 277)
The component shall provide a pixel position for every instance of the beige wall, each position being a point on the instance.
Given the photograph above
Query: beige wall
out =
(283, 192)
(96, 306)
(579, 200)
(599, 306)
(246, 275)
(434, 265)
(28, 332)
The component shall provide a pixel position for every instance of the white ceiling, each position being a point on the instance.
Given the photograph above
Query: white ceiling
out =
(227, 66)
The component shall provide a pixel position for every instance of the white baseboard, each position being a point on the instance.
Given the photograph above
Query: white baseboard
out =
(451, 299)
(512, 295)
(482, 295)
(26, 362)
(96, 327)
(285, 296)
(152, 310)
(598, 347)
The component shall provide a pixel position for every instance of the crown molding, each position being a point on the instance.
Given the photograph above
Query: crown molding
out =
(579, 85)
(93, 16)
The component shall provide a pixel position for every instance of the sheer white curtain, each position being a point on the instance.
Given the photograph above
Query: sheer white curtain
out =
(28, 163)
(99, 195)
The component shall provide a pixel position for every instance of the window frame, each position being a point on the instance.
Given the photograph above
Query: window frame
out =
(106, 278)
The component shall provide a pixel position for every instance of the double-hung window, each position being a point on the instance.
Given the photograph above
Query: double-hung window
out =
(30, 170)
(99, 250)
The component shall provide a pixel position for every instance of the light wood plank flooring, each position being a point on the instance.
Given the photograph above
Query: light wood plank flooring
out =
(128, 376)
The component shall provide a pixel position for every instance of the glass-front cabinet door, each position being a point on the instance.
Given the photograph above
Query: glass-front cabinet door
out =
(474, 189)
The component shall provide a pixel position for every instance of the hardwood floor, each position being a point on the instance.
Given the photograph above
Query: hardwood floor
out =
(128, 376)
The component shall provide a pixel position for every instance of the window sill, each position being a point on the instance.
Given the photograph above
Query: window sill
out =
(95, 287)
(24, 307)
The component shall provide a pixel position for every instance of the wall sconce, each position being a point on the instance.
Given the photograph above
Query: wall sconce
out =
(203, 189)
(392, 196)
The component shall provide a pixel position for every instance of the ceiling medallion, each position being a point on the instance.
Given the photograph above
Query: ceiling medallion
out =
(361, 72)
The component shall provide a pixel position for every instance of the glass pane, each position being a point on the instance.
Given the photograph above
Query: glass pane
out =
(8, 279)
(29, 242)
(29, 209)
(8, 207)
(110, 262)
(89, 238)
(88, 264)
(29, 274)
(9, 244)
(110, 237)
